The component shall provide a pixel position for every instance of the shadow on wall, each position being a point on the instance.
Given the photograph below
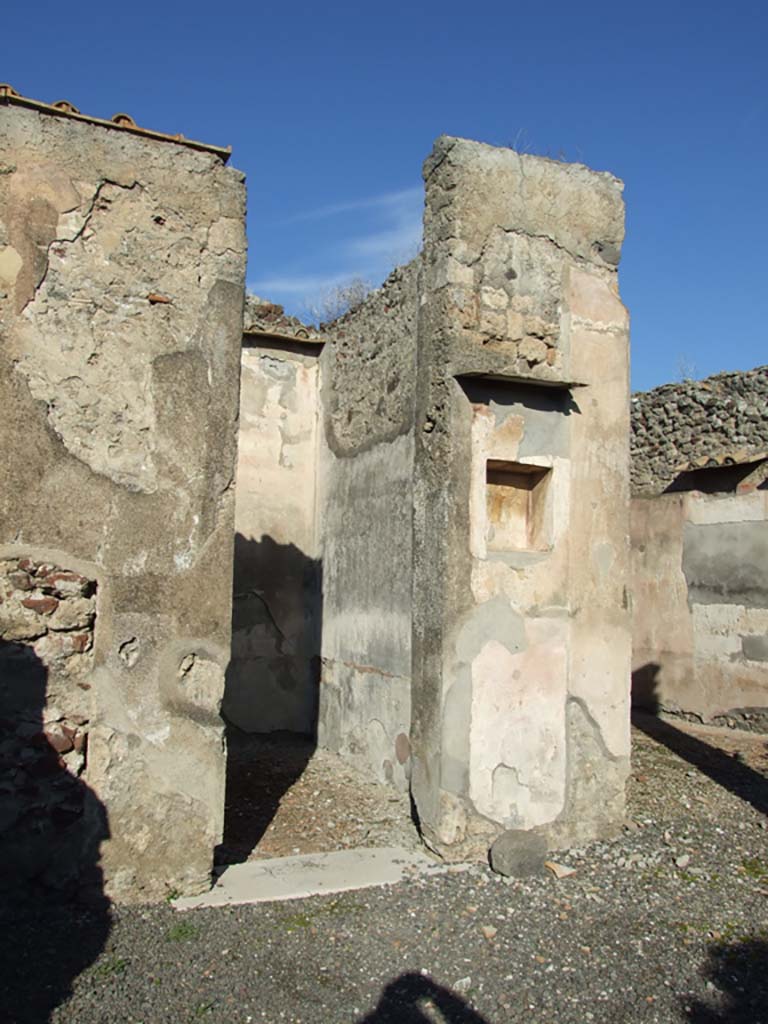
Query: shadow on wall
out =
(270, 703)
(728, 772)
(54, 920)
(737, 972)
(415, 999)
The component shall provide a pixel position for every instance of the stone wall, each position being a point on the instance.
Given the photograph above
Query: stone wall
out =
(696, 421)
(700, 549)
(121, 288)
(473, 497)
(47, 621)
(369, 369)
(700, 605)
(521, 632)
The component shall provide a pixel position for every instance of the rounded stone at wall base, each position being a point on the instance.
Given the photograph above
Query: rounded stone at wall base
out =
(518, 853)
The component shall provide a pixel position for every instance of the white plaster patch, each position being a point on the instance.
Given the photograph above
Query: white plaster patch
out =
(10, 265)
(716, 629)
(517, 732)
(726, 508)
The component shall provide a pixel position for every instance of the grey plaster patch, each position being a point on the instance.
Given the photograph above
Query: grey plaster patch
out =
(755, 648)
(724, 563)
(493, 620)
(278, 369)
(604, 557)
(518, 559)
(544, 412)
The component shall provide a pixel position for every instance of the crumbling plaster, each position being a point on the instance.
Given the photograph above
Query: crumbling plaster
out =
(504, 340)
(480, 662)
(122, 262)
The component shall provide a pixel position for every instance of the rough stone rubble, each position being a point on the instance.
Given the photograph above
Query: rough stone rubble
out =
(695, 422)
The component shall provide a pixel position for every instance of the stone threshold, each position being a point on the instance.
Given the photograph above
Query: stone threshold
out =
(317, 874)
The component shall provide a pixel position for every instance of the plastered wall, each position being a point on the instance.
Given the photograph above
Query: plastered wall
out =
(272, 679)
(121, 290)
(700, 603)
(700, 549)
(368, 368)
(474, 509)
(521, 649)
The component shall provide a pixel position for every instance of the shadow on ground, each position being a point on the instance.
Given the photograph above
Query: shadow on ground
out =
(54, 920)
(738, 973)
(272, 687)
(260, 771)
(724, 769)
(416, 999)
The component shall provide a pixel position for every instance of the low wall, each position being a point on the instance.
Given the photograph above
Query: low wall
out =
(700, 605)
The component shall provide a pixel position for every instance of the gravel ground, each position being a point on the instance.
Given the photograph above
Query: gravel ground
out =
(666, 923)
(284, 797)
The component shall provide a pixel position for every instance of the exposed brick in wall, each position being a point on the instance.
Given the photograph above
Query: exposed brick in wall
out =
(47, 621)
(677, 425)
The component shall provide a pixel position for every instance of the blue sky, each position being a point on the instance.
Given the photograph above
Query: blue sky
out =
(331, 108)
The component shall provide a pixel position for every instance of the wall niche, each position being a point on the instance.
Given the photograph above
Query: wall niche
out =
(516, 506)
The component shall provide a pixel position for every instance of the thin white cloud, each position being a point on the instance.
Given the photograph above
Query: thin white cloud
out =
(387, 232)
(387, 200)
(396, 243)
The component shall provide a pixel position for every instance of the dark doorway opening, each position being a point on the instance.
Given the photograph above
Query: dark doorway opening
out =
(270, 704)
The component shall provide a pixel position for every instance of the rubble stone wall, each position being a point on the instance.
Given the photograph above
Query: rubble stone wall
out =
(366, 478)
(47, 620)
(695, 421)
(121, 294)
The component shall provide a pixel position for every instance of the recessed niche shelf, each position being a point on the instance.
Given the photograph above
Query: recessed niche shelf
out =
(516, 506)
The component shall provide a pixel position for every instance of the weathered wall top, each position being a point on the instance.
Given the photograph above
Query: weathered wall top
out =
(122, 268)
(681, 426)
(578, 209)
(372, 365)
(260, 316)
(121, 122)
(507, 237)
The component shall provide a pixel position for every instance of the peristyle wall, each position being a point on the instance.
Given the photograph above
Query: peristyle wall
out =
(700, 549)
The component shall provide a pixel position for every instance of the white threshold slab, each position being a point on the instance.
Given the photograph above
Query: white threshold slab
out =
(295, 878)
